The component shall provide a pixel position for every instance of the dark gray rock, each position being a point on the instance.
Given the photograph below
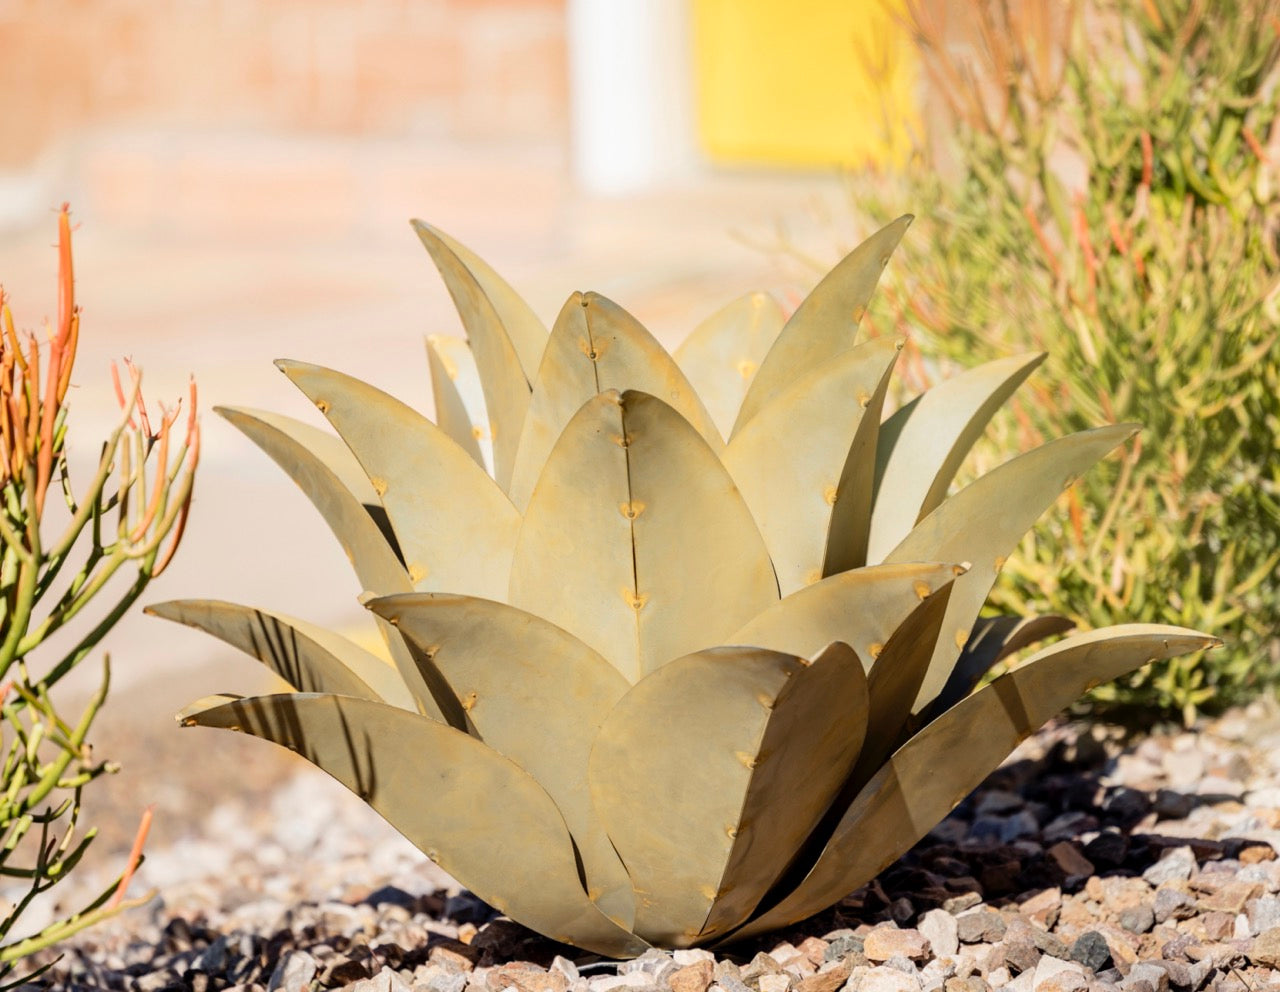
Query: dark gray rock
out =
(1090, 949)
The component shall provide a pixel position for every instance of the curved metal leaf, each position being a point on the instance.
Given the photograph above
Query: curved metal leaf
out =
(534, 693)
(482, 304)
(459, 397)
(323, 466)
(722, 354)
(894, 681)
(596, 346)
(983, 523)
(941, 764)
(308, 657)
(636, 540)
(825, 323)
(927, 440)
(376, 562)
(993, 639)
(456, 528)
(527, 333)
(434, 784)
(851, 515)
(861, 608)
(789, 459)
(710, 772)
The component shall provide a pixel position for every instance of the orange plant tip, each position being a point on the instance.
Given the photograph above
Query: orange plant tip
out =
(135, 854)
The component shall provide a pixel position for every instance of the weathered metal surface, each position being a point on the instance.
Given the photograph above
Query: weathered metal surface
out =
(723, 353)
(459, 397)
(992, 640)
(861, 608)
(946, 760)
(596, 346)
(324, 468)
(528, 335)
(309, 658)
(534, 693)
(923, 444)
(434, 784)
(982, 525)
(455, 527)
(710, 772)
(894, 681)
(826, 322)
(851, 515)
(789, 459)
(483, 303)
(636, 539)
(375, 560)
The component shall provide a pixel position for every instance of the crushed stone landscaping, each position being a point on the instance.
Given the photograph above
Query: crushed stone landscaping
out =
(1086, 863)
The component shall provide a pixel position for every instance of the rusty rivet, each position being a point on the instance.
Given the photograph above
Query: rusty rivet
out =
(632, 508)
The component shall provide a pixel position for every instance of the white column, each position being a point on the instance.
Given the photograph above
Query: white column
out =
(631, 93)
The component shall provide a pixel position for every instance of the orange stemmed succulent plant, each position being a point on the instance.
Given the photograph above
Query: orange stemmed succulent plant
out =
(153, 472)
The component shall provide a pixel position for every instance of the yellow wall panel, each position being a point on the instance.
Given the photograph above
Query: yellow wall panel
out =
(794, 83)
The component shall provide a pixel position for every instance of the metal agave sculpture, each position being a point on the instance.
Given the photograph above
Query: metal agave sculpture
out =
(650, 686)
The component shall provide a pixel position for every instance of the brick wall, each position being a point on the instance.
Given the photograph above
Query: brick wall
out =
(466, 69)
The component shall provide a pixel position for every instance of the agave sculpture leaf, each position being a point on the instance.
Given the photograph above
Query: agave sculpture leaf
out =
(698, 656)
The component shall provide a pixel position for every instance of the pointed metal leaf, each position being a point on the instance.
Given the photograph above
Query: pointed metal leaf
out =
(992, 640)
(198, 706)
(534, 693)
(527, 333)
(323, 467)
(308, 657)
(722, 354)
(825, 323)
(636, 540)
(459, 397)
(482, 304)
(946, 760)
(434, 784)
(930, 439)
(596, 346)
(983, 523)
(710, 772)
(894, 681)
(851, 515)
(861, 608)
(376, 562)
(789, 459)
(456, 528)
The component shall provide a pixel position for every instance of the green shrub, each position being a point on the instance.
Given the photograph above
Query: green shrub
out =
(1107, 192)
(129, 519)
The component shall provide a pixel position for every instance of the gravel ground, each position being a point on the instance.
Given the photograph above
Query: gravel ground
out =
(1083, 864)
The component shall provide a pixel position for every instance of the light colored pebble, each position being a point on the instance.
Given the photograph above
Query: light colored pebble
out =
(888, 980)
